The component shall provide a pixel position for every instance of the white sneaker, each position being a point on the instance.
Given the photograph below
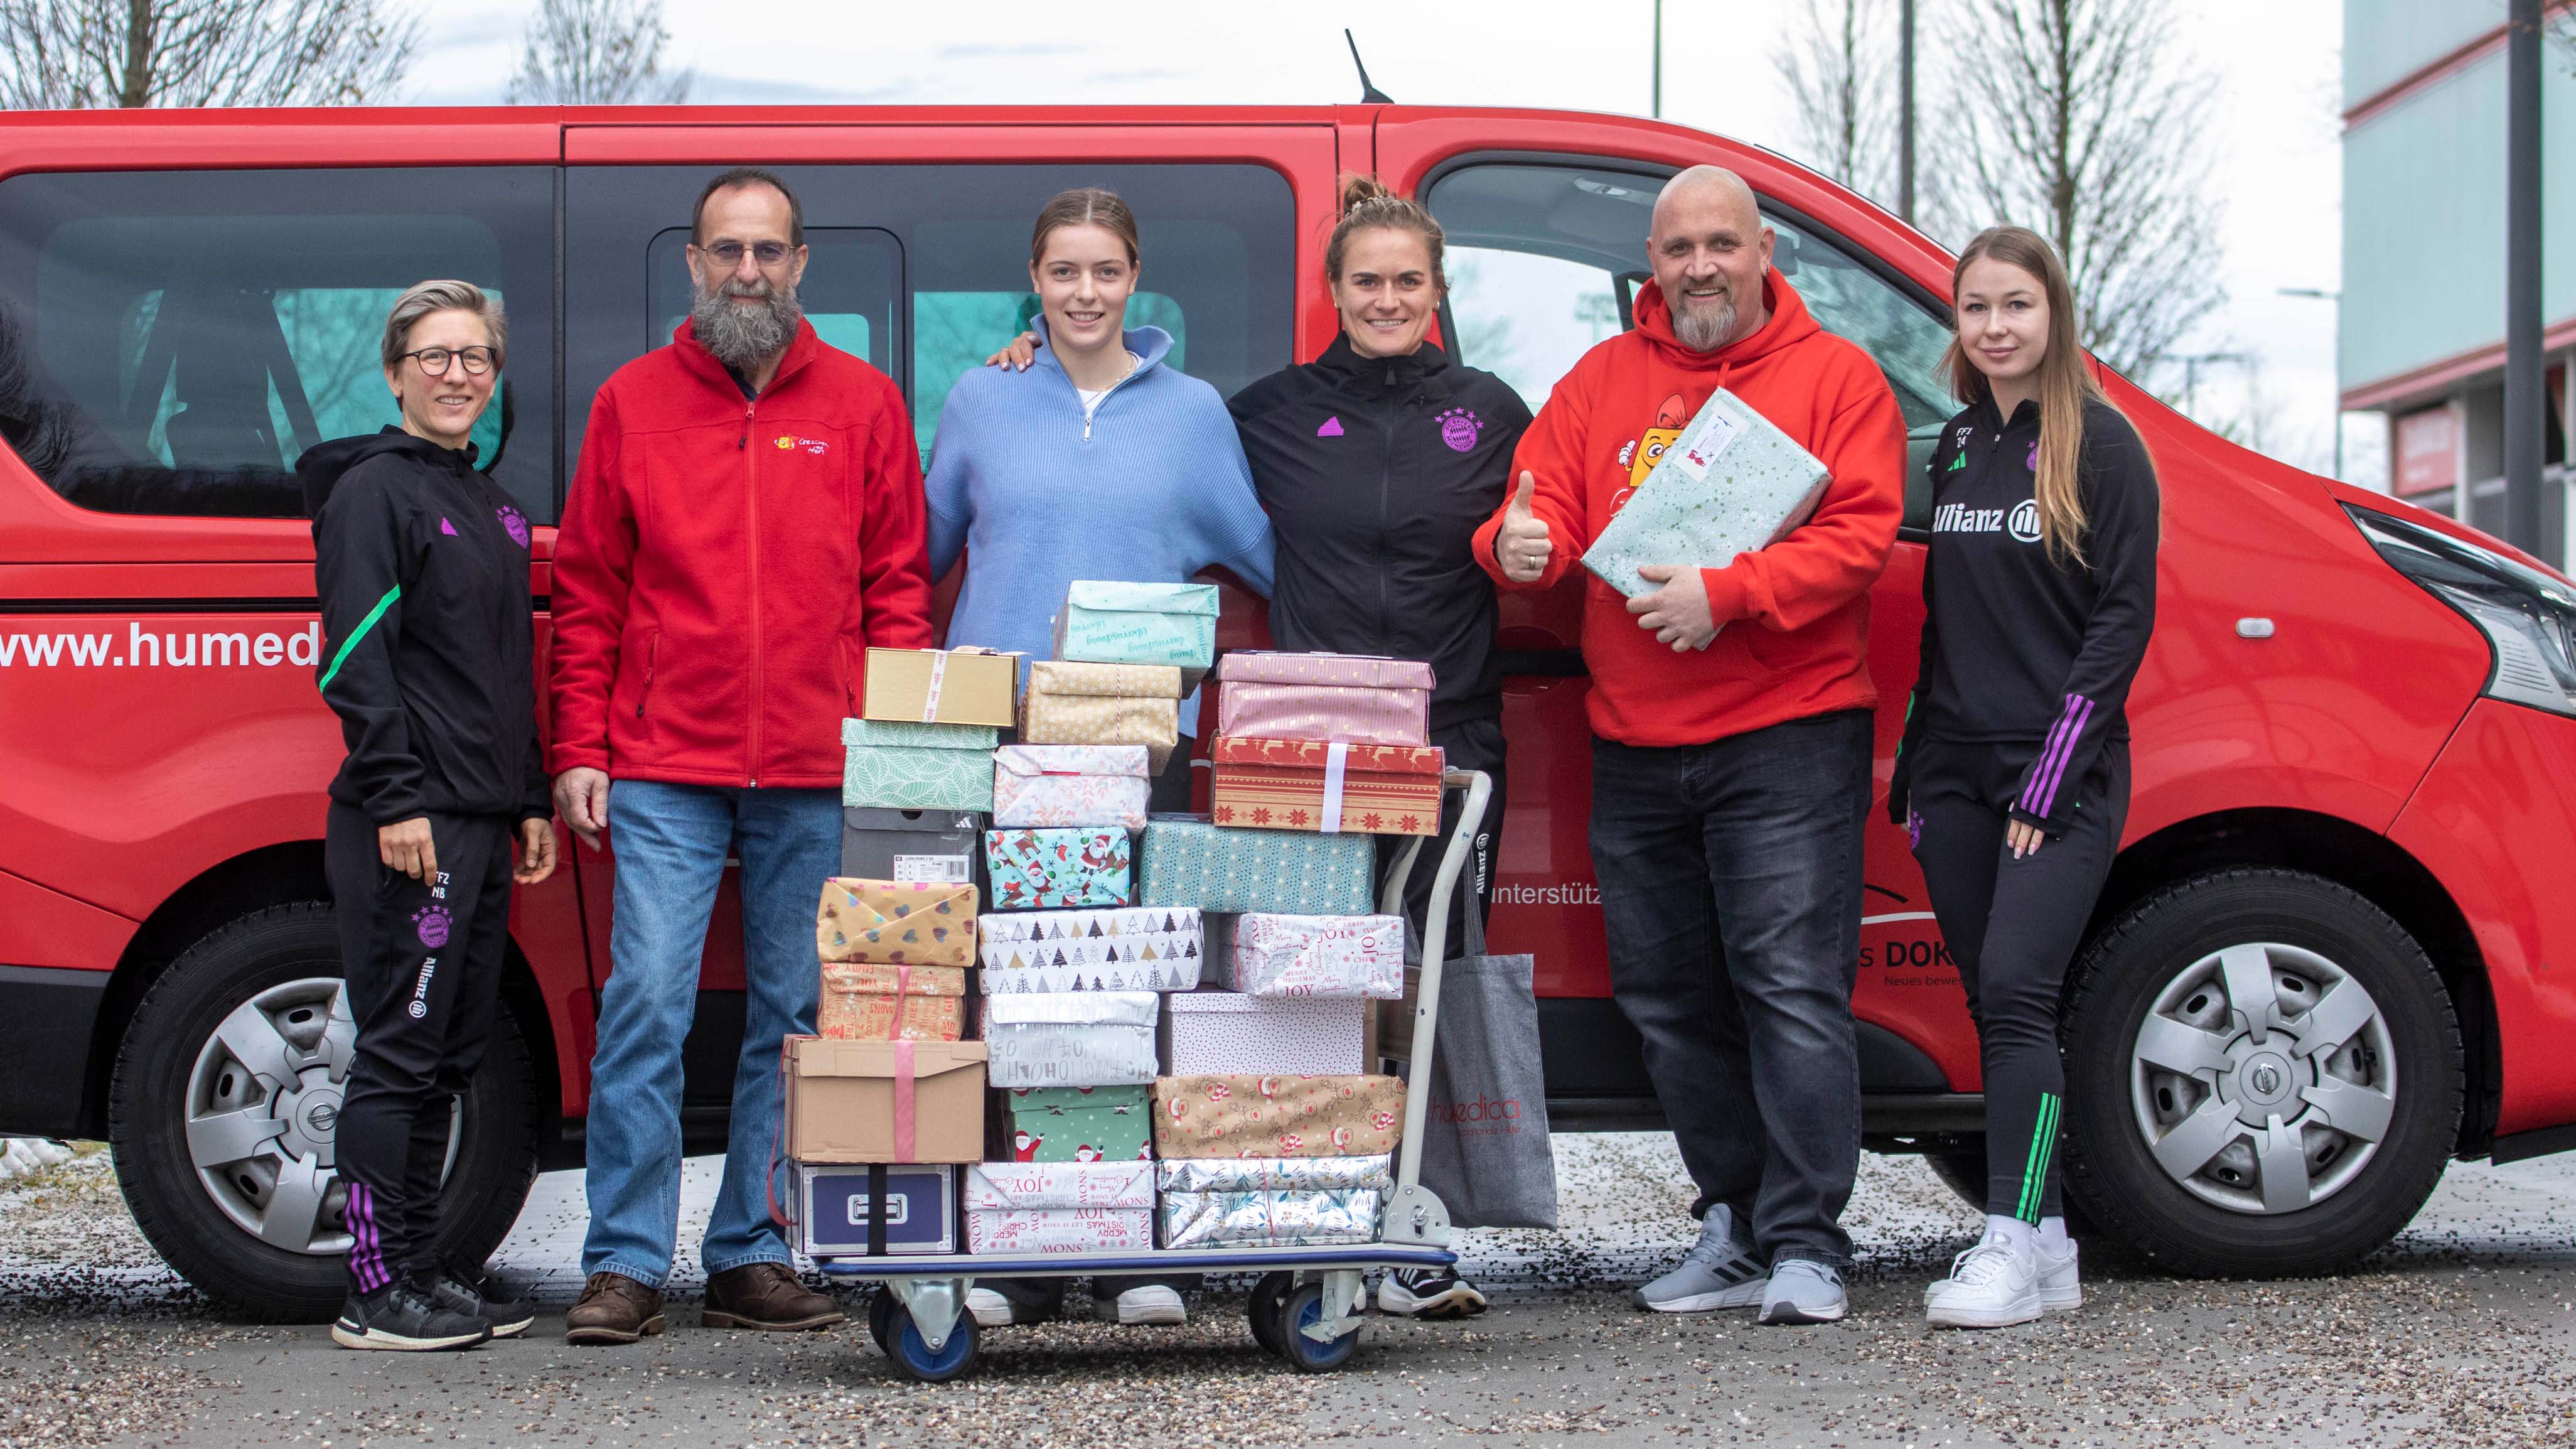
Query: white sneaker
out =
(1151, 1303)
(2059, 1292)
(991, 1309)
(1992, 1285)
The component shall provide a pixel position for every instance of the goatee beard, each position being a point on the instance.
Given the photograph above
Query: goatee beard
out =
(1701, 330)
(744, 337)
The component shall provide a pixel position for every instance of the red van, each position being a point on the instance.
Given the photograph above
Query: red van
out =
(2329, 959)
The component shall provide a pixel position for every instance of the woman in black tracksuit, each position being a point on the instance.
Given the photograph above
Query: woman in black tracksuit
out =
(422, 568)
(2013, 776)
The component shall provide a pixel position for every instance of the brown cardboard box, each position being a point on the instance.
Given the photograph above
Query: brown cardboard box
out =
(841, 1098)
(974, 686)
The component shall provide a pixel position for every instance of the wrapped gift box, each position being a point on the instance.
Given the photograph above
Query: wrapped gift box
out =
(1731, 484)
(898, 923)
(1222, 1031)
(1238, 1115)
(1189, 862)
(1035, 870)
(1353, 698)
(1331, 788)
(917, 766)
(842, 1100)
(1127, 948)
(941, 686)
(837, 1214)
(1072, 1038)
(869, 1001)
(910, 845)
(1058, 1207)
(1277, 955)
(1104, 622)
(1072, 703)
(1081, 1124)
(1271, 1202)
(1061, 785)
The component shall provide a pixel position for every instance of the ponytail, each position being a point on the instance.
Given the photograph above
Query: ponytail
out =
(1368, 202)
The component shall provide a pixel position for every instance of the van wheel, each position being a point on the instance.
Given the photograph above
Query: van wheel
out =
(224, 1110)
(2264, 1076)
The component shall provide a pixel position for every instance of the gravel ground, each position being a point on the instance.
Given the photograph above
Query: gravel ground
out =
(2461, 1334)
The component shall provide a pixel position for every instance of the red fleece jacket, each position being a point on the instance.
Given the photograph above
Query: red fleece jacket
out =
(725, 563)
(1794, 617)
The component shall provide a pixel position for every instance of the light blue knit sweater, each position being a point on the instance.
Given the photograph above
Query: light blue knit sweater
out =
(1152, 489)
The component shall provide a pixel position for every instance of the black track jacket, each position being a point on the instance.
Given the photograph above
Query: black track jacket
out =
(2016, 648)
(1376, 473)
(422, 566)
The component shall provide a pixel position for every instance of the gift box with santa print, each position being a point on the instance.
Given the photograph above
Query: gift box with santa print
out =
(1081, 1124)
(1032, 870)
(1230, 1115)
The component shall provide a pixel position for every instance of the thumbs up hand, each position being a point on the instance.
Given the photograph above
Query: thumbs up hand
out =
(1521, 545)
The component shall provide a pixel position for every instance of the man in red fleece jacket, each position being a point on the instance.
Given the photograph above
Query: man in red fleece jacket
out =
(1731, 764)
(746, 520)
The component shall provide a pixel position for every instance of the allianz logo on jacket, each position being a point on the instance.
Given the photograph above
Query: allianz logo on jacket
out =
(2021, 520)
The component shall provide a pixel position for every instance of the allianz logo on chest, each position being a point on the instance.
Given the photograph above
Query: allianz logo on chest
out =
(2021, 520)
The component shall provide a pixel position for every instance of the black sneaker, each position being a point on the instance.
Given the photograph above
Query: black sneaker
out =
(1428, 1293)
(483, 1298)
(405, 1319)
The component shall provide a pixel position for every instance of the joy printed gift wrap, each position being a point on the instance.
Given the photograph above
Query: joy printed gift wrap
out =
(1189, 862)
(871, 1001)
(1064, 785)
(1271, 1202)
(1730, 484)
(898, 923)
(1135, 948)
(1120, 623)
(1033, 870)
(1276, 955)
(1241, 1116)
(1353, 698)
(917, 766)
(1058, 1207)
(1071, 703)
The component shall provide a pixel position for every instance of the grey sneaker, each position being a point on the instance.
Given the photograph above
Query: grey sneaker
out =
(1803, 1291)
(1719, 1271)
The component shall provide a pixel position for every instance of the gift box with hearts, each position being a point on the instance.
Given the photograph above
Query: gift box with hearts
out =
(896, 923)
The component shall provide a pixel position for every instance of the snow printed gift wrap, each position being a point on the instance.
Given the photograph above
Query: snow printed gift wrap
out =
(1058, 1207)
(1730, 484)
(1133, 948)
(1071, 1038)
(1070, 703)
(917, 766)
(1218, 868)
(1353, 698)
(1119, 623)
(897, 922)
(1033, 870)
(1275, 955)
(1271, 1202)
(1250, 1116)
(1059, 785)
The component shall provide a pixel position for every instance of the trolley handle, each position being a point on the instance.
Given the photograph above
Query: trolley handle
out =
(1435, 932)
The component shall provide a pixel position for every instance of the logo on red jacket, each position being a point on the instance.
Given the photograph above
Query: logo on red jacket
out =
(811, 445)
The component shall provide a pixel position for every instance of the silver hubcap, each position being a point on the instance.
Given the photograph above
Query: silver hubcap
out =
(2263, 1078)
(262, 1109)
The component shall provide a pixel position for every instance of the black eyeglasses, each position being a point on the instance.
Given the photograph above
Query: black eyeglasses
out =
(436, 360)
(729, 254)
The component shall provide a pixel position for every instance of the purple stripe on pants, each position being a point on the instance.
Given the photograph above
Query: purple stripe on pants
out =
(2057, 739)
(2057, 771)
(366, 1250)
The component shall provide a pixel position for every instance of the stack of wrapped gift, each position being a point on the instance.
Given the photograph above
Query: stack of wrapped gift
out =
(873, 1128)
(1125, 655)
(1251, 1161)
(894, 957)
(917, 774)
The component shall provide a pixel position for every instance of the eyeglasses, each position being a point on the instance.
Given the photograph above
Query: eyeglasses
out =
(729, 254)
(436, 360)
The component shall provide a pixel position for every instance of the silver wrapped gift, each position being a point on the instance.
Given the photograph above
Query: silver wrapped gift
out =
(1270, 1202)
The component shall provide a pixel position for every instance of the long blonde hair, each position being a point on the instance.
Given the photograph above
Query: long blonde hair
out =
(2065, 384)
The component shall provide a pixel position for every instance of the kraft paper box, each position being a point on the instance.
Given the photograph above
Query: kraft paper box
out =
(869, 1001)
(1081, 1124)
(842, 1098)
(837, 1207)
(1190, 862)
(911, 845)
(1127, 948)
(1354, 698)
(1331, 788)
(941, 686)
(898, 923)
(917, 766)
(1060, 785)
(1730, 484)
(1276, 955)
(1270, 1116)
(1072, 1038)
(1072, 703)
(1104, 622)
(1058, 1207)
(1224, 1031)
(1265, 1202)
(1034, 870)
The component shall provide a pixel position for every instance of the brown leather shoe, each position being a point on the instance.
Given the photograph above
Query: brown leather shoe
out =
(765, 1295)
(614, 1309)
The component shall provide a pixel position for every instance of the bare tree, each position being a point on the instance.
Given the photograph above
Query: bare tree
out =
(1838, 63)
(596, 53)
(2083, 123)
(73, 54)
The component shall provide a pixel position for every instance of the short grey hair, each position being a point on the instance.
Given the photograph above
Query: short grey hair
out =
(444, 296)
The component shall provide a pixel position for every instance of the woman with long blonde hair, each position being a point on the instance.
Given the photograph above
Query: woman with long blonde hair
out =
(2039, 593)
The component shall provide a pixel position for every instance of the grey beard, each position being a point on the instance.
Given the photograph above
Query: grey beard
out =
(1703, 335)
(744, 337)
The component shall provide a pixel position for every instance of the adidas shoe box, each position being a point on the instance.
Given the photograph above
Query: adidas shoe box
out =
(940, 846)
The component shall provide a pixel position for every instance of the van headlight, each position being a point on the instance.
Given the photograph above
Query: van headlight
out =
(2528, 616)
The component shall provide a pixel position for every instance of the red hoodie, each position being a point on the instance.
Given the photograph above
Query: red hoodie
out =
(725, 562)
(1794, 617)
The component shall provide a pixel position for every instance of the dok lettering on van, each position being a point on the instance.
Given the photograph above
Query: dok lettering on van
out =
(156, 649)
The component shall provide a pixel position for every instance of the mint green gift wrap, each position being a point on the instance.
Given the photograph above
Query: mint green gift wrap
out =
(1192, 863)
(917, 766)
(1105, 622)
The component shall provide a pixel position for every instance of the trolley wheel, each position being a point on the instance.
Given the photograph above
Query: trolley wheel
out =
(905, 1347)
(882, 1309)
(1263, 1310)
(1303, 1306)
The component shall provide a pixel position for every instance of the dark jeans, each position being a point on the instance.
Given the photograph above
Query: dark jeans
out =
(1730, 877)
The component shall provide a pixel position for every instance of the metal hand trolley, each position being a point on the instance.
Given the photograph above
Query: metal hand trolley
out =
(1307, 1306)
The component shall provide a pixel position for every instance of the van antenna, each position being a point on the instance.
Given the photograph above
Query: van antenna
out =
(1370, 95)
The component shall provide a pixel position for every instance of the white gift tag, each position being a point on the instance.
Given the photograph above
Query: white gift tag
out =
(1695, 456)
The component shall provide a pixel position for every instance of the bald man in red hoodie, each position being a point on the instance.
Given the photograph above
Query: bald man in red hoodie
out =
(1731, 758)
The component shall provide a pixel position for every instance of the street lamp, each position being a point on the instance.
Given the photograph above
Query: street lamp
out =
(2322, 295)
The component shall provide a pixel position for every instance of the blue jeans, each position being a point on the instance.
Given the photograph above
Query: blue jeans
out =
(1730, 879)
(671, 843)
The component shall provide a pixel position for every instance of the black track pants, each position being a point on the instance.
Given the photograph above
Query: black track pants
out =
(2013, 926)
(424, 973)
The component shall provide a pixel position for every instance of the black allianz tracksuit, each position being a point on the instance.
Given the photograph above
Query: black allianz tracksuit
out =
(422, 568)
(1376, 473)
(2019, 714)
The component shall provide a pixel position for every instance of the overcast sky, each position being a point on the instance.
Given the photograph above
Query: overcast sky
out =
(2272, 140)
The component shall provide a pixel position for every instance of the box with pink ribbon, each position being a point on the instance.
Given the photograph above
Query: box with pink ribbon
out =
(883, 1101)
(1352, 698)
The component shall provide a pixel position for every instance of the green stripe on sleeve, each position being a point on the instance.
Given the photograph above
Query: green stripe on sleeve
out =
(373, 615)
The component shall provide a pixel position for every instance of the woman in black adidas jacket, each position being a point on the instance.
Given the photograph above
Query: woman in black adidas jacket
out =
(2013, 777)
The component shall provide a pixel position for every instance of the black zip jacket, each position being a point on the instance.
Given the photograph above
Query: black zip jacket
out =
(2016, 648)
(427, 639)
(1376, 473)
